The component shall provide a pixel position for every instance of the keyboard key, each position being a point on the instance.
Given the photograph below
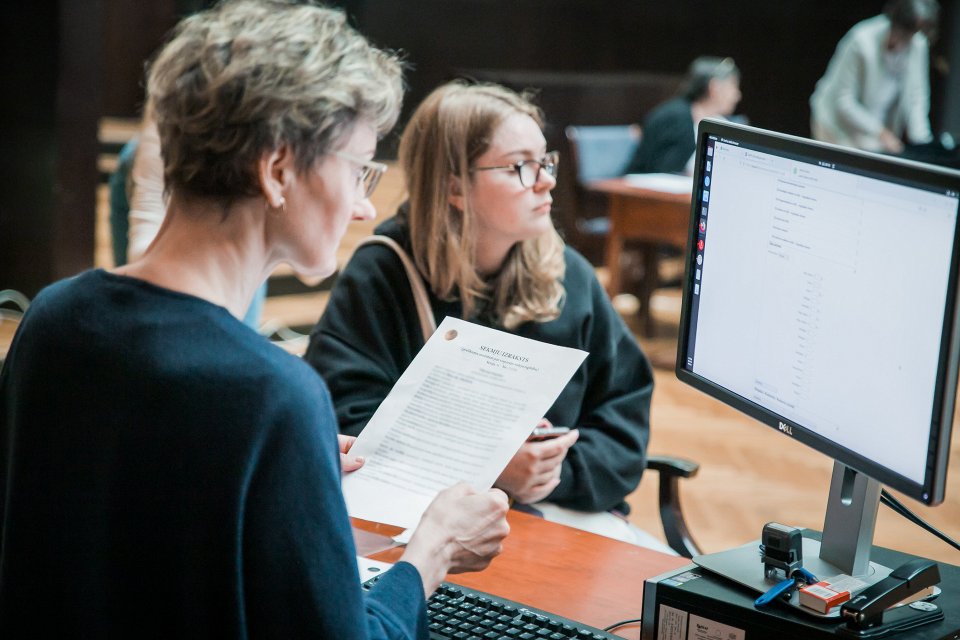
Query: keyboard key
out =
(460, 613)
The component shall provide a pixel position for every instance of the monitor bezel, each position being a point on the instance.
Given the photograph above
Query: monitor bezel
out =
(931, 491)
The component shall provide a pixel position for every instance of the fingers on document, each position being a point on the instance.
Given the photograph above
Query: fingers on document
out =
(556, 446)
(345, 442)
(350, 463)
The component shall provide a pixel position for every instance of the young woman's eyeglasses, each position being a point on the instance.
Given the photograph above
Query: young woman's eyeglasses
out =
(369, 175)
(529, 170)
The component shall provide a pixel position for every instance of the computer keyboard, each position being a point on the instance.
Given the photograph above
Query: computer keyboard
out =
(462, 613)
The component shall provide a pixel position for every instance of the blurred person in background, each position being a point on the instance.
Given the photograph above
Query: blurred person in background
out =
(875, 93)
(669, 135)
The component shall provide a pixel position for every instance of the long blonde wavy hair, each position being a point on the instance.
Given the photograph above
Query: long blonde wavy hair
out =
(450, 129)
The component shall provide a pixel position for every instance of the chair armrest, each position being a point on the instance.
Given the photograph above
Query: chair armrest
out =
(671, 515)
(671, 466)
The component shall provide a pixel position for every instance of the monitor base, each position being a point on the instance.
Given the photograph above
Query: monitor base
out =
(744, 565)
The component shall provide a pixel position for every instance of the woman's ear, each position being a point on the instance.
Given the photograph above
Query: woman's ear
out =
(456, 197)
(275, 172)
(711, 91)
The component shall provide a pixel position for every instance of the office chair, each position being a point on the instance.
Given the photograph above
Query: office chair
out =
(602, 151)
(120, 203)
(670, 470)
(598, 152)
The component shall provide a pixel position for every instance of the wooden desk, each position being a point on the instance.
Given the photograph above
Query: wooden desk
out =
(572, 573)
(7, 329)
(653, 218)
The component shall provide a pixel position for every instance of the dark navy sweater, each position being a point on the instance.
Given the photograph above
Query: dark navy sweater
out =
(668, 140)
(166, 472)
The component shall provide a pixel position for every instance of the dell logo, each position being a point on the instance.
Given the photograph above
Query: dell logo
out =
(787, 429)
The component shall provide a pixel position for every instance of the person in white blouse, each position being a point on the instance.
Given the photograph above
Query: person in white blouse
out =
(876, 90)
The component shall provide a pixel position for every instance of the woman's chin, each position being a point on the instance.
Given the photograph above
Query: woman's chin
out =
(315, 272)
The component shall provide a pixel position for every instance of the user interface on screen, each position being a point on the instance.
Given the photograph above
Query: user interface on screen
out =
(819, 292)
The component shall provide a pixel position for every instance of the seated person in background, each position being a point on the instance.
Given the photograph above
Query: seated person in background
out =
(164, 470)
(877, 88)
(147, 206)
(669, 139)
(477, 224)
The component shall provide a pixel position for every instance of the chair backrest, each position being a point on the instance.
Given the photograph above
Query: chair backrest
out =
(120, 202)
(602, 151)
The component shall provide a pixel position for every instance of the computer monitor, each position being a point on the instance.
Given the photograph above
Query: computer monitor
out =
(820, 298)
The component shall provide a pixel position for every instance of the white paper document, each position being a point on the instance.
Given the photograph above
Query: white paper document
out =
(458, 413)
(667, 182)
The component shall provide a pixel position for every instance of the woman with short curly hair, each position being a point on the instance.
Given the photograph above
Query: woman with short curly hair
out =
(164, 470)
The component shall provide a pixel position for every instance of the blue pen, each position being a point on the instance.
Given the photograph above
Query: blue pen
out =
(799, 574)
(807, 577)
(778, 590)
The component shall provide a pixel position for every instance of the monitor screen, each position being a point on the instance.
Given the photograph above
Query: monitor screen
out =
(820, 298)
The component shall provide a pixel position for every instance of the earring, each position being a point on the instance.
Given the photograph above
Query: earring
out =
(269, 209)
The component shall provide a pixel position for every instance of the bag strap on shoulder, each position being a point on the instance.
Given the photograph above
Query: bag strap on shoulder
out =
(428, 323)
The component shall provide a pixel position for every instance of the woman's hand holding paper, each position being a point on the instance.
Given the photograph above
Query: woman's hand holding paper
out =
(462, 530)
(534, 471)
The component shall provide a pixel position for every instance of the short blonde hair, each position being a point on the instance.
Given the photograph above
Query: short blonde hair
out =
(247, 76)
(450, 129)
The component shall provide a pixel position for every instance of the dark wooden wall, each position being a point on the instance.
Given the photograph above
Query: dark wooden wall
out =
(66, 64)
(133, 30)
(51, 102)
(782, 47)
(69, 62)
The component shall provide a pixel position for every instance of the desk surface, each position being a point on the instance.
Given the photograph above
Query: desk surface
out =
(572, 573)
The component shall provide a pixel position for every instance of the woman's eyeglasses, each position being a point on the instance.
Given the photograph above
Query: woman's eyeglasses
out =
(370, 172)
(529, 170)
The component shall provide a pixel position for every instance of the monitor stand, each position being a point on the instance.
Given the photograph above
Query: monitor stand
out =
(844, 547)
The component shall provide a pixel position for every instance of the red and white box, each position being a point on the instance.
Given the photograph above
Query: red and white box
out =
(829, 593)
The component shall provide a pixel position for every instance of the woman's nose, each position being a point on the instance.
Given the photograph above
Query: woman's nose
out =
(364, 210)
(545, 181)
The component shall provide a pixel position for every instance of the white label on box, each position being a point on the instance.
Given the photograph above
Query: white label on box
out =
(846, 583)
(673, 624)
(820, 592)
(706, 629)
